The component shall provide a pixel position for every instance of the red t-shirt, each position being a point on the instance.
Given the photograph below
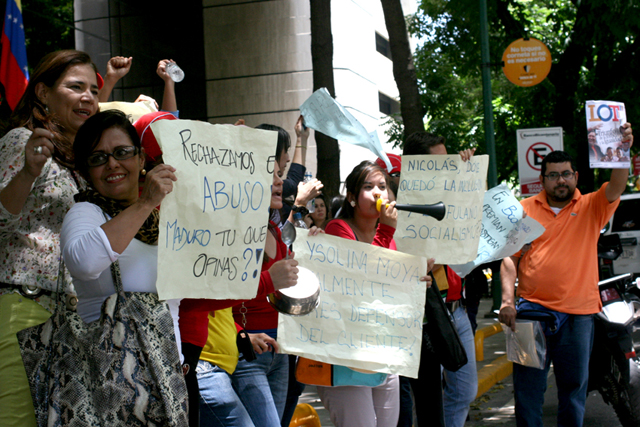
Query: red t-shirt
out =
(454, 293)
(260, 315)
(383, 237)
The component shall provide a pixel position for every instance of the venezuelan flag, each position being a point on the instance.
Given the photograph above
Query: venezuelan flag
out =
(14, 74)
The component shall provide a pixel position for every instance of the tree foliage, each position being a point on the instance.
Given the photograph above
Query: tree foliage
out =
(48, 26)
(594, 46)
(404, 70)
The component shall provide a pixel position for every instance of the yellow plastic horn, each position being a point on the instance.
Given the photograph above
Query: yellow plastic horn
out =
(436, 210)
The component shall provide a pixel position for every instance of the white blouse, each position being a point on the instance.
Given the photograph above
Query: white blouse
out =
(88, 256)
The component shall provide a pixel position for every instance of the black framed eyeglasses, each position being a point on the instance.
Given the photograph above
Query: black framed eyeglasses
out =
(124, 152)
(566, 175)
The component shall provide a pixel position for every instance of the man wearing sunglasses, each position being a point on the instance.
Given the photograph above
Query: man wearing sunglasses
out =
(559, 274)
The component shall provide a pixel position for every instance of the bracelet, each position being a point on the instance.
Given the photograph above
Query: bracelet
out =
(301, 209)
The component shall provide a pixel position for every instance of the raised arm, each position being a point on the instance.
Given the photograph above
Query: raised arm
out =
(302, 136)
(117, 68)
(169, 102)
(619, 177)
(306, 191)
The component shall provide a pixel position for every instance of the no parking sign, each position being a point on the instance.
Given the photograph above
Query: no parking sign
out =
(533, 146)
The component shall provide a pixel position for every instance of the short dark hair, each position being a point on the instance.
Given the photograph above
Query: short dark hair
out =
(91, 131)
(284, 140)
(355, 182)
(421, 143)
(336, 205)
(557, 156)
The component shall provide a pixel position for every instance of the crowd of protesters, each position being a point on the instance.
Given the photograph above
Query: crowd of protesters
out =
(86, 185)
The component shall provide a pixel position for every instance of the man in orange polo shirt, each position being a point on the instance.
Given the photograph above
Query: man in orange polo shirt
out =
(559, 273)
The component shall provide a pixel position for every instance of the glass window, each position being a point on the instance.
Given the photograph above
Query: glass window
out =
(627, 216)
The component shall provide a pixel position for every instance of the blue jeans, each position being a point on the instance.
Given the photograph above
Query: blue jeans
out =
(262, 387)
(461, 386)
(569, 350)
(220, 406)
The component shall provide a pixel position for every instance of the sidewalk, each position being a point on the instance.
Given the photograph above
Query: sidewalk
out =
(494, 347)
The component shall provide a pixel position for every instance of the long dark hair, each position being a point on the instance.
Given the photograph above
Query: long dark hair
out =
(31, 112)
(327, 208)
(284, 140)
(355, 182)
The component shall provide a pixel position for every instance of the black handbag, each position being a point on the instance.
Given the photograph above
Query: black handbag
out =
(442, 332)
(121, 370)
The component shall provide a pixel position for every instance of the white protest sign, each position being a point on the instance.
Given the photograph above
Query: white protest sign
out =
(428, 179)
(133, 110)
(324, 114)
(604, 133)
(371, 307)
(533, 146)
(504, 231)
(213, 224)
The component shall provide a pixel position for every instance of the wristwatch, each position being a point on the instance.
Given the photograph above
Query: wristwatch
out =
(302, 209)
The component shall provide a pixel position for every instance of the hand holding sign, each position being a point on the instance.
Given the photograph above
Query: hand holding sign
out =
(371, 307)
(324, 114)
(157, 184)
(459, 184)
(505, 229)
(213, 225)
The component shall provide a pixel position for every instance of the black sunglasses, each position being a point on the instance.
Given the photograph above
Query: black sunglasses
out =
(124, 152)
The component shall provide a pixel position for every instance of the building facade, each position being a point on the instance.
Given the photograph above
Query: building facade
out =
(247, 59)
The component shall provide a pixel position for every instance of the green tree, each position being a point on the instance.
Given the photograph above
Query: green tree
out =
(404, 70)
(48, 26)
(594, 46)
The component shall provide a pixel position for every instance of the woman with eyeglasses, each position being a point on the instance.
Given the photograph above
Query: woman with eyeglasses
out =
(37, 185)
(110, 222)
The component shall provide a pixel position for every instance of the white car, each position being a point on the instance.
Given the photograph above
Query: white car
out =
(626, 223)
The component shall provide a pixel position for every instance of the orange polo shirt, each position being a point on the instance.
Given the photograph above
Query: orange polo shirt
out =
(560, 271)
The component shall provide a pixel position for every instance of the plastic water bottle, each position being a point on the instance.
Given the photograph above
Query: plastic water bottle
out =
(298, 222)
(311, 204)
(175, 72)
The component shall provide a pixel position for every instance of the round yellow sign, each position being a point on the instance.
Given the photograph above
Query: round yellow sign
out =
(526, 62)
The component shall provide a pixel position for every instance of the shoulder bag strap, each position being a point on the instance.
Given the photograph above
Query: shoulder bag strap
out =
(115, 269)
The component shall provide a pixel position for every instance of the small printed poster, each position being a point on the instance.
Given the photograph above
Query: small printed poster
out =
(533, 147)
(604, 134)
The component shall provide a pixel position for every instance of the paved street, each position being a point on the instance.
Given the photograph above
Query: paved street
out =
(496, 407)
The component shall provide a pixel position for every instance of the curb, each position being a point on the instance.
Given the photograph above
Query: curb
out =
(492, 373)
(481, 335)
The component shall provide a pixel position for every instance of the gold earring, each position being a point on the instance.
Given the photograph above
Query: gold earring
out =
(143, 172)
